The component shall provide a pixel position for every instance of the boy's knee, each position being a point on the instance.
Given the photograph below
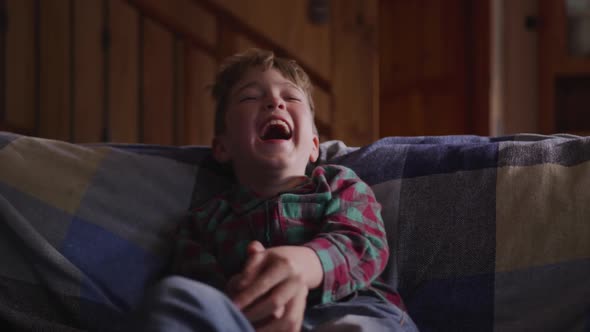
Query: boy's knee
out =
(172, 283)
(187, 290)
(178, 296)
(181, 304)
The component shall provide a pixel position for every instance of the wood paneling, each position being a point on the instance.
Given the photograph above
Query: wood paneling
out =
(323, 113)
(479, 59)
(3, 124)
(179, 90)
(355, 71)
(123, 73)
(55, 70)
(399, 42)
(184, 17)
(556, 67)
(243, 43)
(199, 108)
(88, 71)
(286, 24)
(227, 40)
(142, 78)
(158, 83)
(572, 96)
(515, 90)
(434, 67)
(551, 47)
(20, 64)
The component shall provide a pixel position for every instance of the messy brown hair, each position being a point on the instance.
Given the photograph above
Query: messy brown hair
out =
(235, 67)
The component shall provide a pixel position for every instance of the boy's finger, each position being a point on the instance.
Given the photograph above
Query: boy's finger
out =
(265, 281)
(273, 302)
(292, 318)
(251, 270)
(254, 247)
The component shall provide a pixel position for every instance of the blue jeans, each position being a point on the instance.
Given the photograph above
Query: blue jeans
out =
(180, 304)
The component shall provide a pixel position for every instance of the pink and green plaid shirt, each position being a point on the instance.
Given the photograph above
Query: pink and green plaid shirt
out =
(333, 212)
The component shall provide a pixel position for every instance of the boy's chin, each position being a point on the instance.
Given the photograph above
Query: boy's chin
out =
(272, 163)
(276, 163)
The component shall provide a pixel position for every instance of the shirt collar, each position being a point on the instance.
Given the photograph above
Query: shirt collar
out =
(243, 199)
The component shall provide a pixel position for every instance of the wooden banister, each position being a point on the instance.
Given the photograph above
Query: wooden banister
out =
(237, 24)
(223, 15)
(148, 9)
(159, 11)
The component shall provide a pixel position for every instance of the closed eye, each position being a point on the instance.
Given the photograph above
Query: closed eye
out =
(247, 98)
(292, 94)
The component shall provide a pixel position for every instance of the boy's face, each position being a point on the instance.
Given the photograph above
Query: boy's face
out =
(268, 125)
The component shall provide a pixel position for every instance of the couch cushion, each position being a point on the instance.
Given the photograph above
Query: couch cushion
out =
(486, 233)
(84, 229)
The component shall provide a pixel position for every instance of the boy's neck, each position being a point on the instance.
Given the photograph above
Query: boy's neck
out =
(268, 183)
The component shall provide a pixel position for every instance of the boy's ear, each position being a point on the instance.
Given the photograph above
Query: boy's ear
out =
(220, 152)
(315, 152)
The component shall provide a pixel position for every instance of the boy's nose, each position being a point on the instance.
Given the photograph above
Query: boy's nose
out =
(275, 103)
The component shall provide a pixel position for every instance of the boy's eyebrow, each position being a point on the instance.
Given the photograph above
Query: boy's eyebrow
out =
(257, 85)
(245, 86)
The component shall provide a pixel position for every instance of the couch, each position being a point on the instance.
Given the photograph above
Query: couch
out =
(486, 233)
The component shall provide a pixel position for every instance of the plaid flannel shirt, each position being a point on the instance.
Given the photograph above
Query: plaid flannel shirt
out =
(333, 212)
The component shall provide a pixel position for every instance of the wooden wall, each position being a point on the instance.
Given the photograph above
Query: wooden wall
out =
(136, 70)
(515, 70)
(564, 77)
(434, 67)
(100, 70)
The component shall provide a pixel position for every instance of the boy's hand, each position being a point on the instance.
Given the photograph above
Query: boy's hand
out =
(272, 288)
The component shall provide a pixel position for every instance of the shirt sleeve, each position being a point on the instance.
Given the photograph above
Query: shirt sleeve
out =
(352, 245)
(192, 257)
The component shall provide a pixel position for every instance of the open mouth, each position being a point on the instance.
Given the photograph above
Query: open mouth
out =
(276, 129)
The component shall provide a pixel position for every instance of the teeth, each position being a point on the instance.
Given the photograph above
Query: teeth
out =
(279, 123)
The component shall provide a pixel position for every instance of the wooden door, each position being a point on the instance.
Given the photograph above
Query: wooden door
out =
(434, 67)
(564, 75)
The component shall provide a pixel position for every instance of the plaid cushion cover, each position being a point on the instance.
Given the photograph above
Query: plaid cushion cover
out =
(486, 233)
